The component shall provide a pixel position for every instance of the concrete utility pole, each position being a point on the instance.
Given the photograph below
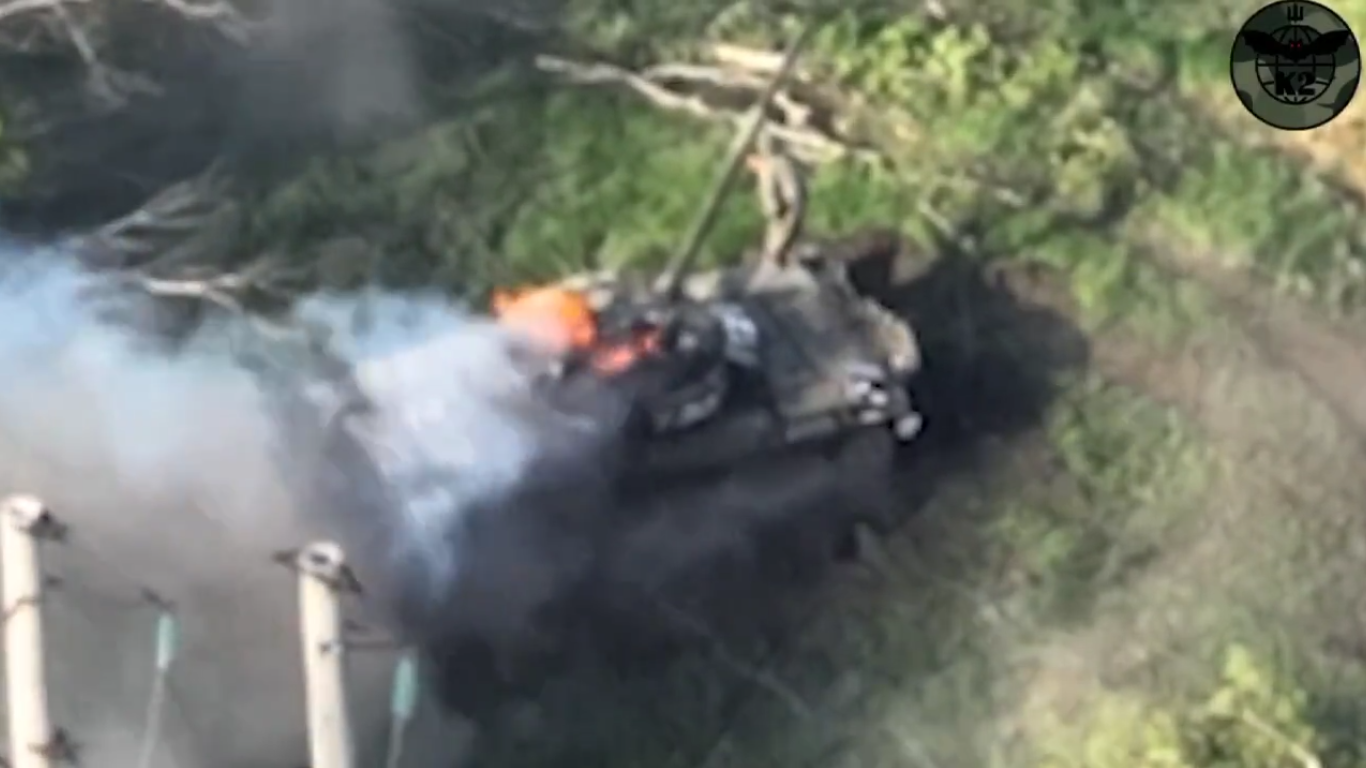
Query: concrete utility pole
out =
(322, 579)
(24, 524)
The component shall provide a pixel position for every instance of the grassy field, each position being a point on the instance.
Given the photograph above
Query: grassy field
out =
(1140, 542)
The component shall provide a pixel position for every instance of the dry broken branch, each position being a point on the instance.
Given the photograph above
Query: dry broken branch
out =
(59, 21)
(178, 245)
(597, 74)
(262, 276)
(146, 238)
(1301, 753)
(79, 39)
(748, 59)
(678, 87)
(229, 292)
(703, 73)
(15, 8)
(107, 83)
(220, 15)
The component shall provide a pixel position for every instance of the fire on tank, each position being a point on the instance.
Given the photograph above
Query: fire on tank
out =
(793, 349)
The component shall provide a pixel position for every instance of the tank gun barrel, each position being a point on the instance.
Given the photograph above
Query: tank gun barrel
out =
(682, 263)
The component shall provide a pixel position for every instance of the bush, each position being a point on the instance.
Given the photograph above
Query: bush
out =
(1252, 719)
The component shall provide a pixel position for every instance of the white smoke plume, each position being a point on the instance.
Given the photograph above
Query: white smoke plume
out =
(183, 472)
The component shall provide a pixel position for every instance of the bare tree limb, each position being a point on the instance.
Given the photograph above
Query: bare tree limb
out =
(678, 87)
(703, 73)
(263, 275)
(754, 60)
(178, 245)
(1301, 753)
(222, 16)
(79, 40)
(177, 212)
(601, 73)
(14, 8)
(107, 82)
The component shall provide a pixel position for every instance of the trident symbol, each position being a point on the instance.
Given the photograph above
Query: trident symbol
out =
(1295, 13)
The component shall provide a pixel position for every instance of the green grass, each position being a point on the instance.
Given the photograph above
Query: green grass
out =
(606, 181)
(1071, 134)
(1061, 121)
(549, 180)
(1260, 212)
(1135, 473)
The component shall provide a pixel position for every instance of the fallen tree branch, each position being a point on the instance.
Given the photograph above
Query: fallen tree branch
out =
(703, 73)
(208, 290)
(109, 84)
(15, 8)
(79, 40)
(263, 276)
(178, 245)
(176, 213)
(599, 73)
(57, 23)
(673, 86)
(222, 16)
(754, 60)
(794, 127)
(1301, 753)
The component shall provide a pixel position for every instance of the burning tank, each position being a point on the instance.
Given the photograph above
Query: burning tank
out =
(791, 351)
(789, 365)
(779, 355)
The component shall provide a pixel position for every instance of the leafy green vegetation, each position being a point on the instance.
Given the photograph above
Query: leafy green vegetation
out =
(13, 162)
(1252, 719)
(1135, 474)
(1082, 139)
(1158, 565)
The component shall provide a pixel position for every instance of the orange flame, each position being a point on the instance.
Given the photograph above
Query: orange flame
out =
(618, 357)
(560, 317)
(564, 320)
